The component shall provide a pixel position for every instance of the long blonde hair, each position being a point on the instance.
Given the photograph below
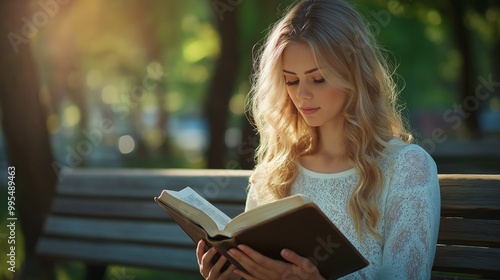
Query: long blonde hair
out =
(350, 59)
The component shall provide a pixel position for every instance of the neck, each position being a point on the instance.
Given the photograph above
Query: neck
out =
(332, 142)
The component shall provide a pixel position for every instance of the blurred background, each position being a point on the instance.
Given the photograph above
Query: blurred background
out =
(162, 83)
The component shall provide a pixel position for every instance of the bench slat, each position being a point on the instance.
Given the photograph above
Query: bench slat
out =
(214, 184)
(124, 209)
(465, 259)
(110, 230)
(469, 231)
(467, 191)
(178, 259)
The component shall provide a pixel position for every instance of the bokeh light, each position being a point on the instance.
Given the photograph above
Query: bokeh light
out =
(126, 144)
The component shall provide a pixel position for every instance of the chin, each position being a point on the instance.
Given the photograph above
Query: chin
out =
(313, 124)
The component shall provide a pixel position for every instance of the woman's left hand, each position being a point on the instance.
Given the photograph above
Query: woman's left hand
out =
(265, 268)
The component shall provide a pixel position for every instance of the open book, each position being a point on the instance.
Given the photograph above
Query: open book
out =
(293, 222)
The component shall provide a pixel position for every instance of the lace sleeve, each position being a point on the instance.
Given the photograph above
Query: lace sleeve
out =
(411, 218)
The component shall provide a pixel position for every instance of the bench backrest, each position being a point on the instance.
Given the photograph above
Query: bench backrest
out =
(109, 216)
(469, 235)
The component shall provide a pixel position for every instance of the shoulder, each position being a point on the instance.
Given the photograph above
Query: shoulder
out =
(410, 164)
(412, 155)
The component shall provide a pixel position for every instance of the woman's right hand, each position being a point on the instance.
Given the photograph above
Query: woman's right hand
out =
(209, 270)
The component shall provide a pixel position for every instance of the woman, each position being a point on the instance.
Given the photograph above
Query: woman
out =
(324, 105)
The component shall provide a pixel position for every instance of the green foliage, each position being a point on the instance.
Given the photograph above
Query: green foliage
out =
(97, 68)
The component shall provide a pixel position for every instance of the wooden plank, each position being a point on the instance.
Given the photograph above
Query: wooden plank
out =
(148, 256)
(465, 191)
(470, 231)
(467, 259)
(175, 176)
(214, 184)
(129, 209)
(449, 276)
(151, 172)
(112, 230)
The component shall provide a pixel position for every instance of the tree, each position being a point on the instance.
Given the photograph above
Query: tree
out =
(24, 125)
(222, 84)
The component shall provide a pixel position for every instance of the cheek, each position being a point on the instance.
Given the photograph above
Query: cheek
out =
(291, 96)
(337, 96)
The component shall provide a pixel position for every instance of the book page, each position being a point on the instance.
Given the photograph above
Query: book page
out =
(192, 198)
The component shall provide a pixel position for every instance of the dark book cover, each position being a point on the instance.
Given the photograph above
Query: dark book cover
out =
(305, 230)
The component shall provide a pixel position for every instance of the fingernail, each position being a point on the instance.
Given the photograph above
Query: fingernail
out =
(231, 252)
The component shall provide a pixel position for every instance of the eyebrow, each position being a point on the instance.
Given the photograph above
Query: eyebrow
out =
(306, 72)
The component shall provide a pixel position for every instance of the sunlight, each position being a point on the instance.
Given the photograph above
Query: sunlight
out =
(196, 74)
(207, 44)
(174, 101)
(434, 17)
(94, 79)
(194, 51)
(126, 144)
(155, 70)
(109, 94)
(71, 116)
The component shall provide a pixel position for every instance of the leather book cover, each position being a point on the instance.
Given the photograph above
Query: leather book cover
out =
(196, 233)
(305, 230)
(308, 232)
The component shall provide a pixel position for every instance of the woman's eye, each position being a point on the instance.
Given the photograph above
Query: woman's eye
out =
(292, 83)
(319, 81)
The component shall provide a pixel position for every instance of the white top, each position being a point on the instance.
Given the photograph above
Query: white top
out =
(409, 212)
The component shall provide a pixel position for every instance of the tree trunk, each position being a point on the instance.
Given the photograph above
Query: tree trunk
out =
(467, 70)
(222, 86)
(26, 136)
(268, 11)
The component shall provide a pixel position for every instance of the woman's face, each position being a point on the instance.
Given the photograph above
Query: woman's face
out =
(319, 103)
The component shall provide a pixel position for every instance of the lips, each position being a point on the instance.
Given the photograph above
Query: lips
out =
(309, 110)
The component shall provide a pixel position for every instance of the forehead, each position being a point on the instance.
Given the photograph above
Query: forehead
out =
(298, 58)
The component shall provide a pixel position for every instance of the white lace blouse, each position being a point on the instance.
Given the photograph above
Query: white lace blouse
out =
(409, 208)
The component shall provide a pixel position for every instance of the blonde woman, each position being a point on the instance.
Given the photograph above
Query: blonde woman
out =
(324, 105)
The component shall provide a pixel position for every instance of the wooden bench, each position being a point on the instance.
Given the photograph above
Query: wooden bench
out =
(108, 216)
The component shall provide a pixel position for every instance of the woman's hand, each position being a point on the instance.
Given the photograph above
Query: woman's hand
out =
(264, 268)
(208, 269)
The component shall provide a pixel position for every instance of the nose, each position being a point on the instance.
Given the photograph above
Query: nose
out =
(304, 92)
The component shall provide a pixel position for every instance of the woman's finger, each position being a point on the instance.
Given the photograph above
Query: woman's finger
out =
(258, 257)
(215, 271)
(260, 266)
(301, 262)
(206, 262)
(200, 250)
(228, 272)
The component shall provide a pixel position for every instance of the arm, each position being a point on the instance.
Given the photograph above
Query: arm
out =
(411, 218)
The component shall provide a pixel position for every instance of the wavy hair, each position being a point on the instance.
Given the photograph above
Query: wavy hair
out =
(348, 58)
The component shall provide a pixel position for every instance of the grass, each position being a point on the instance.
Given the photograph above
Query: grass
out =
(75, 271)
(69, 270)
